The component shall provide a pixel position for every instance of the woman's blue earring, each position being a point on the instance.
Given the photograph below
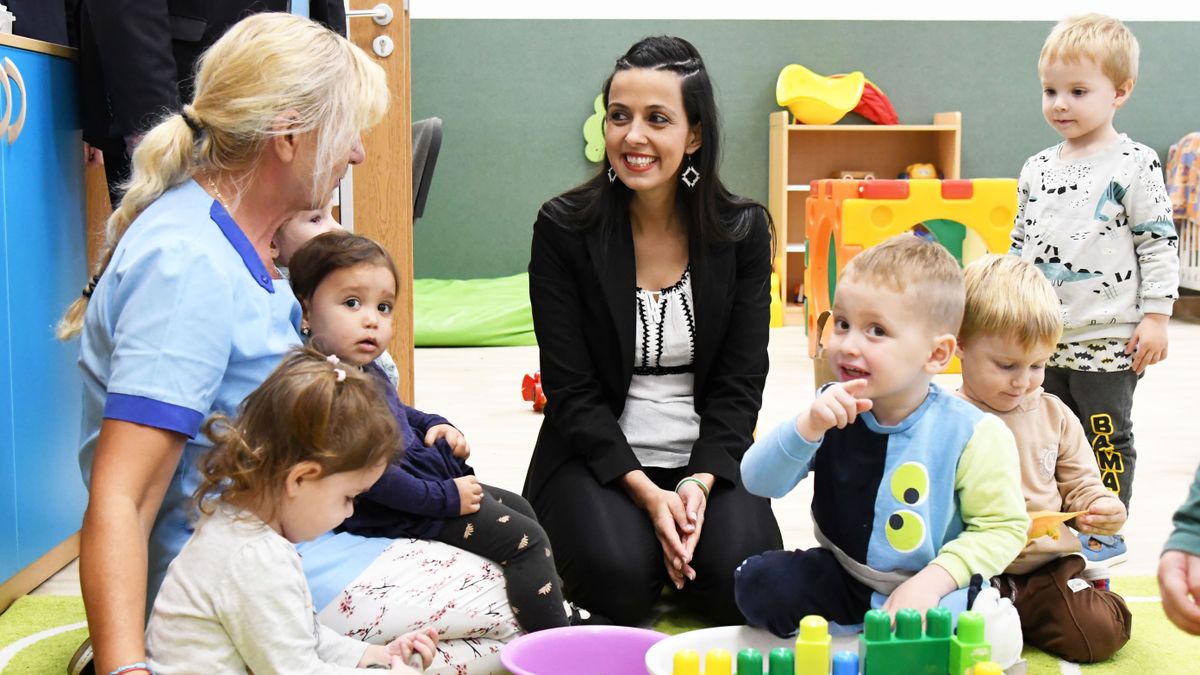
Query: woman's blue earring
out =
(612, 175)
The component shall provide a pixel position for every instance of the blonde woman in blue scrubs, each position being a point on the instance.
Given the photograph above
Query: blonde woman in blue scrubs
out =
(186, 315)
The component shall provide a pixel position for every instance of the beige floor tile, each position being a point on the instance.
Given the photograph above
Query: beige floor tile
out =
(479, 390)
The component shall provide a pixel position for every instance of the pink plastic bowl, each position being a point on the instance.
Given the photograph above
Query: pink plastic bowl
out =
(581, 650)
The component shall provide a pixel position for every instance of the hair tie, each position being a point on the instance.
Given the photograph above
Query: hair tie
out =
(91, 286)
(338, 373)
(192, 122)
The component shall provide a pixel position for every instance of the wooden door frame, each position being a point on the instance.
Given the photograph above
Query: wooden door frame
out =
(382, 193)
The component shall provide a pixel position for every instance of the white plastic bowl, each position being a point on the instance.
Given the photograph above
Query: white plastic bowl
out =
(660, 657)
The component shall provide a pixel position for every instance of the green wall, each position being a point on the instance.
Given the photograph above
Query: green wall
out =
(513, 96)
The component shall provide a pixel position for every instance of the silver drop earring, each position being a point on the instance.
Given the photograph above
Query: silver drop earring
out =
(690, 175)
(612, 175)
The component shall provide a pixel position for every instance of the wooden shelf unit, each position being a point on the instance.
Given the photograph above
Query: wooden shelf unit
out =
(802, 153)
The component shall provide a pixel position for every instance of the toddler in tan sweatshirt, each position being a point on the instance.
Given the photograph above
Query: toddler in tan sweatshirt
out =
(1010, 327)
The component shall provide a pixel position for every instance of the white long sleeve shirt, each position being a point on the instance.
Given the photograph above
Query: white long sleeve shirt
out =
(235, 601)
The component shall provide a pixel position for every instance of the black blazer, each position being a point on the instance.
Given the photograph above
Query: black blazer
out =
(136, 56)
(582, 287)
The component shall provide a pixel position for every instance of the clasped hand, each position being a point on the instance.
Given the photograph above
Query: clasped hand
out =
(678, 519)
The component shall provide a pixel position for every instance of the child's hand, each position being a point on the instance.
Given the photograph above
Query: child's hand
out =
(1106, 515)
(454, 438)
(409, 648)
(1179, 578)
(470, 495)
(922, 592)
(1149, 342)
(837, 406)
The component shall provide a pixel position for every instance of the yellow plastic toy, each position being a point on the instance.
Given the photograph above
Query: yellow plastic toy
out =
(816, 99)
(1048, 523)
(813, 646)
(845, 217)
(776, 302)
(922, 170)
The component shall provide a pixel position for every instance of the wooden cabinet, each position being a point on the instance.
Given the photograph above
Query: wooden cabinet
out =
(802, 153)
(43, 264)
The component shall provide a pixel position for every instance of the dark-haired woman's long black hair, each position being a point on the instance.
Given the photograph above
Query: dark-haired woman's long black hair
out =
(710, 211)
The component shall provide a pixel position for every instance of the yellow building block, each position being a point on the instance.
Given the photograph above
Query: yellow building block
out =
(813, 646)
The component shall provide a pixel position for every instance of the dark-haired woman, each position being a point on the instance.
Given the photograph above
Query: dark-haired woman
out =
(649, 286)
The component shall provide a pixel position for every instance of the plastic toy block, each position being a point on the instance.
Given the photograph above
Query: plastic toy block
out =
(783, 662)
(968, 646)
(957, 189)
(844, 663)
(750, 662)
(884, 189)
(986, 668)
(845, 217)
(908, 651)
(687, 662)
(813, 646)
(718, 662)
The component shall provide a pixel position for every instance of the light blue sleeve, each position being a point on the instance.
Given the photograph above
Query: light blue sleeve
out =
(777, 462)
(172, 339)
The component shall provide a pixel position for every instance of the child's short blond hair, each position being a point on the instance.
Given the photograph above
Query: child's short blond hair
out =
(925, 271)
(1010, 297)
(1100, 38)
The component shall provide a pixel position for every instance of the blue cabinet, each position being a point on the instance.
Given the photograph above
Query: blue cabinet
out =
(43, 262)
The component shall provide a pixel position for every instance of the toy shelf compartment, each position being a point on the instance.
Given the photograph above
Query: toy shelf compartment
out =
(802, 153)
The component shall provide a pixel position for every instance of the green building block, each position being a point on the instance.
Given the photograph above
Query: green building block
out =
(749, 662)
(812, 646)
(908, 651)
(782, 662)
(968, 646)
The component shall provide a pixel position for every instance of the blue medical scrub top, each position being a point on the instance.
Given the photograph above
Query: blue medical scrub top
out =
(185, 322)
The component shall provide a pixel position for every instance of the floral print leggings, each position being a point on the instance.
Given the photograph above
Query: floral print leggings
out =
(416, 583)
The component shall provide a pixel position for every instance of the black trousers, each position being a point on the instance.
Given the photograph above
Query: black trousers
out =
(117, 167)
(1103, 402)
(506, 531)
(611, 561)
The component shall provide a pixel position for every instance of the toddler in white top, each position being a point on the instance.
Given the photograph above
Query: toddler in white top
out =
(312, 437)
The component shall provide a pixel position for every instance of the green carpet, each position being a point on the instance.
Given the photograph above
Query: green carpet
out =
(34, 614)
(1157, 646)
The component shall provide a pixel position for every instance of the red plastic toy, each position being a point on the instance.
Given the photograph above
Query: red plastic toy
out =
(531, 390)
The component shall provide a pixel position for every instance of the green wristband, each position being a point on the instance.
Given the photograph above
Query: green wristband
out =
(697, 481)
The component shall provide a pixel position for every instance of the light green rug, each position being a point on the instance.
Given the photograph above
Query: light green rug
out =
(29, 644)
(40, 633)
(1156, 646)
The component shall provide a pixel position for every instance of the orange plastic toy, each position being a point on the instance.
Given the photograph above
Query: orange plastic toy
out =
(845, 217)
(531, 390)
(1047, 523)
